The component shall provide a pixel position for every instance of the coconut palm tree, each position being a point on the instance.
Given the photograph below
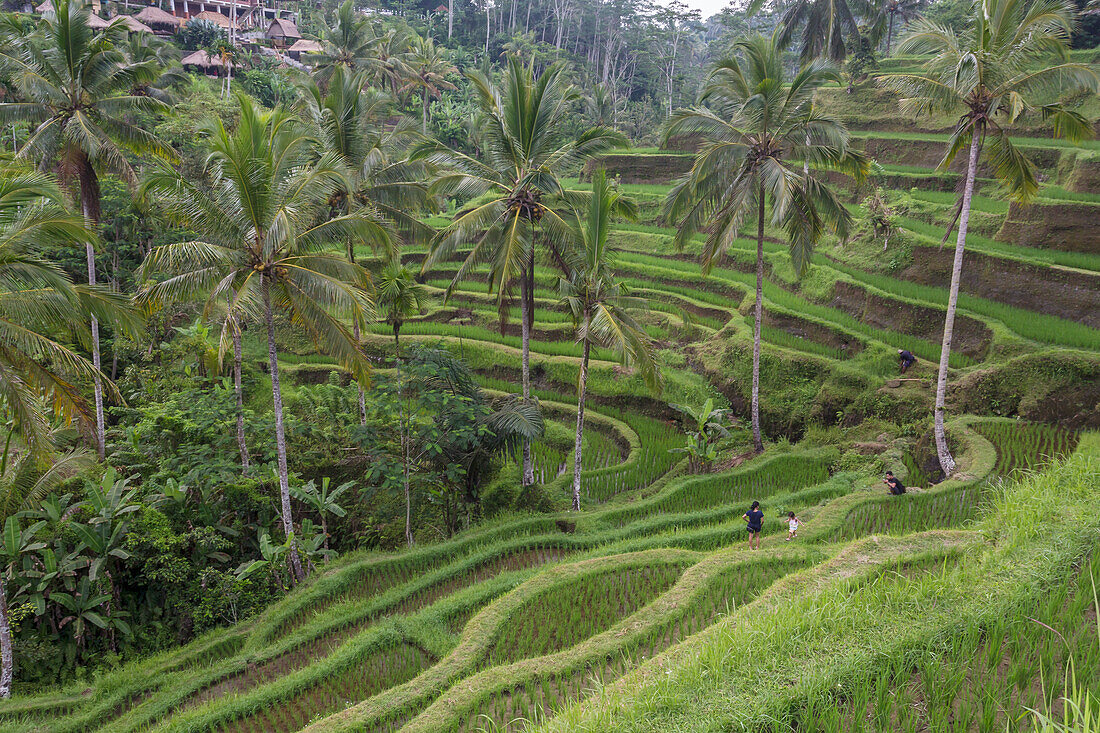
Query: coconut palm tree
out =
(524, 151)
(756, 131)
(400, 296)
(822, 26)
(353, 123)
(37, 372)
(75, 86)
(428, 72)
(1011, 60)
(890, 12)
(268, 247)
(349, 44)
(601, 307)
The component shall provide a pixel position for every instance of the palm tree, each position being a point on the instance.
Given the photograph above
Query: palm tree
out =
(1011, 60)
(25, 480)
(37, 372)
(896, 11)
(75, 86)
(267, 248)
(428, 72)
(524, 153)
(353, 123)
(823, 25)
(400, 296)
(755, 131)
(349, 44)
(601, 307)
(162, 59)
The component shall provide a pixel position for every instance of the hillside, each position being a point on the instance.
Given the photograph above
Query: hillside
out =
(957, 606)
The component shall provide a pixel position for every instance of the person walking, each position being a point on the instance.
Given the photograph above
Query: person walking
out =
(755, 519)
(793, 523)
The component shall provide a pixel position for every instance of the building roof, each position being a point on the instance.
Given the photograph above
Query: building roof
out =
(204, 59)
(94, 21)
(213, 17)
(286, 28)
(303, 45)
(135, 25)
(441, 8)
(43, 7)
(155, 16)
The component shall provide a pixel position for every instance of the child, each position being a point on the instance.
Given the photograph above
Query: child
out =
(793, 523)
(755, 519)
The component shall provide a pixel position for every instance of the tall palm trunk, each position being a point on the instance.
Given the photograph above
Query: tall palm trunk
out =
(947, 462)
(294, 560)
(757, 440)
(526, 300)
(889, 32)
(7, 664)
(89, 204)
(424, 112)
(358, 344)
(582, 394)
(404, 435)
(242, 445)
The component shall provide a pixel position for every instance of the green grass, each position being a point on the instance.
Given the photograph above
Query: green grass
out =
(977, 243)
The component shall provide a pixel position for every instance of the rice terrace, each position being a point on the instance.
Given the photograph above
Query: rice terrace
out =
(550, 366)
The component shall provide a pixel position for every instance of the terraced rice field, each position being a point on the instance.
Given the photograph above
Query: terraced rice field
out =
(507, 624)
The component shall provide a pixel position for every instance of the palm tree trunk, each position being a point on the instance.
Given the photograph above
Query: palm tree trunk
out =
(525, 330)
(362, 397)
(757, 440)
(89, 203)
(404, 437)
(242, 445)
(889, 33)
(358, 344)
(294, 560)
(424, 112)
(7, 663)
(582, 394)
(450, 18)
(947, 462)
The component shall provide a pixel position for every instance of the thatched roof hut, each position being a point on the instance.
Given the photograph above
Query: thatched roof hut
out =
(205, 62)
(213, 17)
(282, 32)
(135, 25)
(158, 19)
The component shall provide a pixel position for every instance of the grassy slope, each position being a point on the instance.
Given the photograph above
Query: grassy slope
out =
(798, 643)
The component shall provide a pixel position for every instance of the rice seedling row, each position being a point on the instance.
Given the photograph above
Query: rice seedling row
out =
(378, 672)
(913, 512)
(566, 615)
(1025, 446)
(537, 700)
(978, 679)
(786, 472)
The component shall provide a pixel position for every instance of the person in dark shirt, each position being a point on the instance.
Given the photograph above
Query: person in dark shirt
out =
(897, 488)
(755, 518)
(905, 360)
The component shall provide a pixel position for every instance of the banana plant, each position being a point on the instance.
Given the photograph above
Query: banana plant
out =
(84, 607)
(703, 426)
(323, 501)
(272, 558)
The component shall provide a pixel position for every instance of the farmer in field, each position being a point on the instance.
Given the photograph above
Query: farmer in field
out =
(905, 360)
(755, 519)
(897, 488)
